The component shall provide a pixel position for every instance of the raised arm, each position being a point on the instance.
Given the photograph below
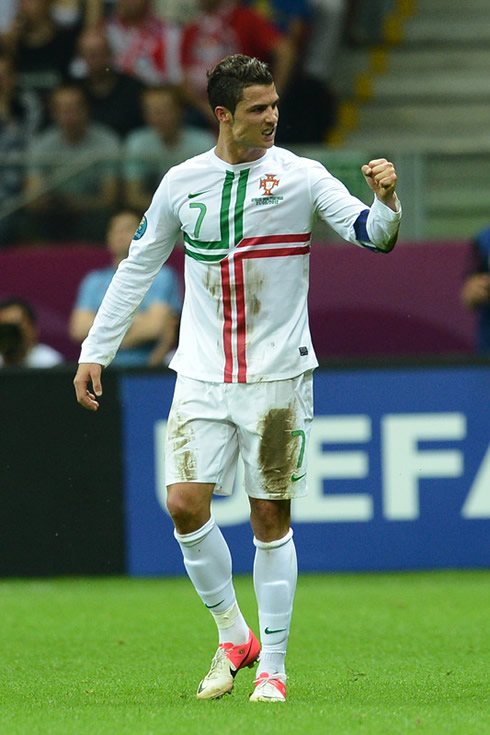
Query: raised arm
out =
(375, 227)
(381, 177)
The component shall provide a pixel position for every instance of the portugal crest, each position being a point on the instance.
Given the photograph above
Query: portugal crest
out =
(268, 183)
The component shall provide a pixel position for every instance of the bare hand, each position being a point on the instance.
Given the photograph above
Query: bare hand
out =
(88, 373)
(476, 290)
(381, 177)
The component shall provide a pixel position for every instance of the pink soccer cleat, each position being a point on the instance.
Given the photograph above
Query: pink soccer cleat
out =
(269, 688)
(227, 661)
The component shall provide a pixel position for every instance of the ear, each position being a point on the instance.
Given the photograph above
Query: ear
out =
(222, 114)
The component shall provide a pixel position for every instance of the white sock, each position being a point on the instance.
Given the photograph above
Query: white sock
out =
(207, 560)
(275, 575)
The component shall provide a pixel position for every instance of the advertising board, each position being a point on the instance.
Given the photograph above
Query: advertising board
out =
(398, 474)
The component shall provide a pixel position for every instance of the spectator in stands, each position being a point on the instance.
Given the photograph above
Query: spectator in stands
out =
(42, 49)
(72, 181)
(20, 117)
(328, 19)
(164, 142)
(78, 13)
(327, 30)
(9, 10)
(114, 97)
(16, 103)
(475, 293)
(179, 12)
(222, 28)
(143, 45)
(19, 346)
(365, 21)
(314, 29)
(153, 332)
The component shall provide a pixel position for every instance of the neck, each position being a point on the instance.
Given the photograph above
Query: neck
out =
(233, 153)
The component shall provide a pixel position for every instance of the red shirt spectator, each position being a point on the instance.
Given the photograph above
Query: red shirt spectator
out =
(143, 45)
(222, 30)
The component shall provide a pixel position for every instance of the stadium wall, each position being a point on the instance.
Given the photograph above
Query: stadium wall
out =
(399, 473)
(406, 303)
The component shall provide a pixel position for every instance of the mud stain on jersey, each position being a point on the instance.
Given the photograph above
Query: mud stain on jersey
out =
(254, 305)
(278, 450)
(181, 438)
(254, 285)
(212, 284)
(306, 268)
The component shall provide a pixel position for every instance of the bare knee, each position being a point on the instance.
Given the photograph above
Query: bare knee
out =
(270, 519)
(178, 507)
(189, 505)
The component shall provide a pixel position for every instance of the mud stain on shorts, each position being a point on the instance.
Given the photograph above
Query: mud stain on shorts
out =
(181, 438)
(278, 450)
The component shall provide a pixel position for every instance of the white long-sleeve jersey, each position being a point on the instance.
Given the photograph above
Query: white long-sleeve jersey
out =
(247, 234)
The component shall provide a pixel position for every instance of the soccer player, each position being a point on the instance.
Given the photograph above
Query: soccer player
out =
(245, 359)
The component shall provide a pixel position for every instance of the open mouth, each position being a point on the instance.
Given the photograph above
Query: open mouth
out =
(269, 131)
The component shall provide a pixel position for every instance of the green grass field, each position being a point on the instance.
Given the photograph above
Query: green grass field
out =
(368, 654)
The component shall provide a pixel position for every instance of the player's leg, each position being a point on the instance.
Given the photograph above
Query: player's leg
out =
(204, 448)
(273, 445)
(207, 560)
(275, 575)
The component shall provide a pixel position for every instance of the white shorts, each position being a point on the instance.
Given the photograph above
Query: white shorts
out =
(267, 423)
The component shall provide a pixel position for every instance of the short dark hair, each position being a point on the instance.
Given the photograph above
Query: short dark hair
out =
(228, 79)
(25, 306)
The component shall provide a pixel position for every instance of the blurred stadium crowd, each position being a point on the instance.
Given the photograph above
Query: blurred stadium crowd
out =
(98, 98)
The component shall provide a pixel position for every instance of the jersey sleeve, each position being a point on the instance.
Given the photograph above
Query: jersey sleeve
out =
(375, 227)
(150, 248)
(165, 290)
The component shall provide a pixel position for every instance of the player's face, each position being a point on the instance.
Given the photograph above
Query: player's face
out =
(254, 123)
